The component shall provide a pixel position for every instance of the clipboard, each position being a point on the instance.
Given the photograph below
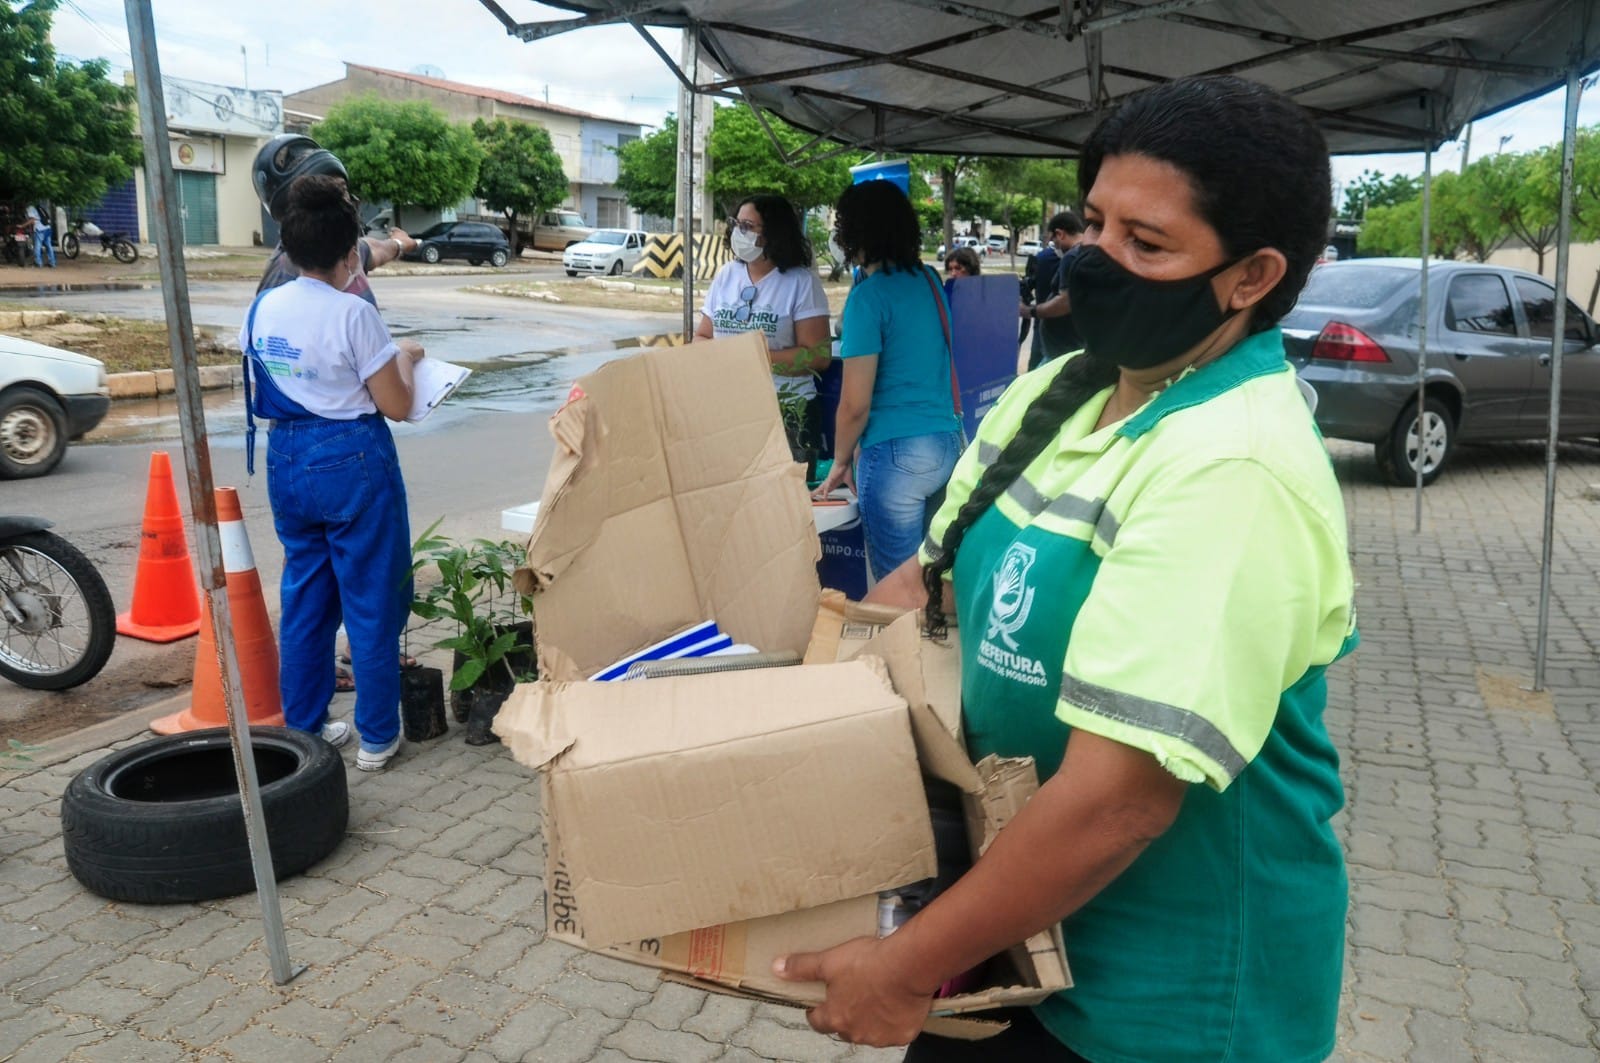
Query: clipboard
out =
(432, 381)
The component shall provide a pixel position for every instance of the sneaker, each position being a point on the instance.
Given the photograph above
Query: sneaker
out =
(336, 733)
(376, 758)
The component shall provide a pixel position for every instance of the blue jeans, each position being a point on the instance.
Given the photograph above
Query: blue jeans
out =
(901, 483)
(339, 507)
(42, 243)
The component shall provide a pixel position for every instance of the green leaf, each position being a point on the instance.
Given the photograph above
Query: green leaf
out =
(469, 673)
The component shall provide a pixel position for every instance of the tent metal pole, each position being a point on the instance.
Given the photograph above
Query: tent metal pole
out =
(1422, 329)
(691, 48)
(1569, 141)
(163, 189)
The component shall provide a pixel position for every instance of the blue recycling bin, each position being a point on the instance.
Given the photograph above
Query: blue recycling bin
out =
(844, 549)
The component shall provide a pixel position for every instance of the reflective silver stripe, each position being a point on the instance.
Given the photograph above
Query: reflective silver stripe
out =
(988, 453)
(1023, 494)
(931, 547)
(1155, 716)
(1074, 507)
(1106, 526)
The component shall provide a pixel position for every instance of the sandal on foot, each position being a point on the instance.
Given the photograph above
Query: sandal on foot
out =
(344, 682)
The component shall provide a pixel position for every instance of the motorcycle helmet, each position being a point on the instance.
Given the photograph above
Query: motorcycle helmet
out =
(281, 160)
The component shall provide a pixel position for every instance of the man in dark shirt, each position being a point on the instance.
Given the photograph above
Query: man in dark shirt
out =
(1054, 334)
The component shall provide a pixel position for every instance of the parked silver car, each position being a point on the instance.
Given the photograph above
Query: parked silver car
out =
(1353, 337)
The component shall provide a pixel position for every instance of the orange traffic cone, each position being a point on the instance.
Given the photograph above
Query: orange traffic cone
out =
(253, 640)
(166, 598)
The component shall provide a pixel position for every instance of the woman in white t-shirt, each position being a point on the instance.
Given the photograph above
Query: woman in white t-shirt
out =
(324, 368)
(771, 286)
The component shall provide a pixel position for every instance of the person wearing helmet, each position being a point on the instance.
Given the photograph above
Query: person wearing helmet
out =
(278, 163)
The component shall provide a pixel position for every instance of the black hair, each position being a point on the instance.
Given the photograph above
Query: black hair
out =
(1067, 222)
(786, 244)
(321, 223)
(876, 223)
(968, 259)
(1258, 168)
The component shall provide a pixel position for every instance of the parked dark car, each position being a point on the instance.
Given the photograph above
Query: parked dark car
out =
(472, 240)
(1353, 337)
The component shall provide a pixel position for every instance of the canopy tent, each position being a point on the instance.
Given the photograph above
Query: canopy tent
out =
(1021, 77)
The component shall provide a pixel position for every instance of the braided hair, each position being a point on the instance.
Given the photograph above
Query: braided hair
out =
(1258, 170)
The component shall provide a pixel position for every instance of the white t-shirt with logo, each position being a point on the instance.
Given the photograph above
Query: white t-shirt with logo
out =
(782, 298)
(320, 346)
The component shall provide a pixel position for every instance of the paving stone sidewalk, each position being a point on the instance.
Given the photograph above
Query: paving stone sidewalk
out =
(1471, 831)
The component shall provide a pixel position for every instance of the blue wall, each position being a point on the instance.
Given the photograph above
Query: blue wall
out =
(118, 212)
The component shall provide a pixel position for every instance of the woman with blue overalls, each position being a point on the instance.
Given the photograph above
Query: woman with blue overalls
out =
(320, 363)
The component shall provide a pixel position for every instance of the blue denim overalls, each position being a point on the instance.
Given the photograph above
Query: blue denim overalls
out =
(339, 508)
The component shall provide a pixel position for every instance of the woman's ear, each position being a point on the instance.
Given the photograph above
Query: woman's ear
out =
(1253, 278)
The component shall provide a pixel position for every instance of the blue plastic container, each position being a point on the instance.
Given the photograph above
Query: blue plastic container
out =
(897, 171)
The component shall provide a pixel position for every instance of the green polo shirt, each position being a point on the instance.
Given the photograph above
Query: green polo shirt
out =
(1178, 582)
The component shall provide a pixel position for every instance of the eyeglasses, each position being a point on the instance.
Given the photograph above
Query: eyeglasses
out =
(741, 314)
(746, 227)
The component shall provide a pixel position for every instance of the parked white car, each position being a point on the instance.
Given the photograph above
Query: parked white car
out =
(610, 251)
(1029, 248)
(967, 241)
(47, 397)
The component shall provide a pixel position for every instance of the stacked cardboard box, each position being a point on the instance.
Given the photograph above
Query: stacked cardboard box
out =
(707, 824)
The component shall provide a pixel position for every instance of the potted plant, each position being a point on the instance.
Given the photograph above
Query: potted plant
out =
(493, 640)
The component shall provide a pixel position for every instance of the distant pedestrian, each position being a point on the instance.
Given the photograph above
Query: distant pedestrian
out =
(42, 236)
(1054, 335)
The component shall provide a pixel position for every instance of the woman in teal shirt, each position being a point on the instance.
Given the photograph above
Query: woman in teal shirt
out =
(896, 435)
(1146, 550)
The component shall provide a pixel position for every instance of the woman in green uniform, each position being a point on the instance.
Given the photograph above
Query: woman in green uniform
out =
(1145, 547)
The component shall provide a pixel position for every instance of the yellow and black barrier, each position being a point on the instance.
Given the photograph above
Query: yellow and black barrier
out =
(663, 256)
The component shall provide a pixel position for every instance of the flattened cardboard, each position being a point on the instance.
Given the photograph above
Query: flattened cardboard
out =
(672, 498)
(711, 799)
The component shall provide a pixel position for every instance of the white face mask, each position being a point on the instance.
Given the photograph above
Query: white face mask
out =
(744, 246)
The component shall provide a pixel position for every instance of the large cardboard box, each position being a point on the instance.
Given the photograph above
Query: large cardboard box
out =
(707, 824)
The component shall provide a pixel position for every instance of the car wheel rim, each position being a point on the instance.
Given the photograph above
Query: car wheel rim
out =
(1436, 438)
(27, 435)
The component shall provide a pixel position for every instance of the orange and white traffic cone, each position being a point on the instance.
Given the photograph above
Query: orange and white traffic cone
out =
(253, 639)
(166, 598)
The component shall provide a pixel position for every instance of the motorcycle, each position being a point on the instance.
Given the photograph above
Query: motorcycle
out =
(117, 244)
(57, 620)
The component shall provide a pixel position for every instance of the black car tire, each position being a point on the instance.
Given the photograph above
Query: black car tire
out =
(161, 823)
(572, 273)
(499, 258)
(430, 254)
(616, 268)
(474, 261)
(33, 433)
(1394, 456)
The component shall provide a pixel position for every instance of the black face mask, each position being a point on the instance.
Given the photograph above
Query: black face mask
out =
(1140, 323)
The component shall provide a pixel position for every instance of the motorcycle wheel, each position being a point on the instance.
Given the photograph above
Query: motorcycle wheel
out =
(57, 620)
(69, 245)
(124, 251)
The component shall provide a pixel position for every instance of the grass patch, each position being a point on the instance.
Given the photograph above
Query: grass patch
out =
(648, 295)
(126, 346)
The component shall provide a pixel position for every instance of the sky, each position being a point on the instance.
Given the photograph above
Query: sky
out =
(291, 45)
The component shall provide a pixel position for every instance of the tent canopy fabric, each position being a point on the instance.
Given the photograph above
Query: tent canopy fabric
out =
(1028, 77)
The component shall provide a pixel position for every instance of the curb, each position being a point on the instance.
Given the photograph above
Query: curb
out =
(148, 384)
(102, 735)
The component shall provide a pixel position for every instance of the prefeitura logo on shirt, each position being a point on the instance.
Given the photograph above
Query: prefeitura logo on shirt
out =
(999, 651)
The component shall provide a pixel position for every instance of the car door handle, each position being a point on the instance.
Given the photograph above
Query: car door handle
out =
(1462, 357)
(1544, 360)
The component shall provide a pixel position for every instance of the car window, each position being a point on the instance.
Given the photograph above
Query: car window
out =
(434, 230)
(570, 220)
(605, 238)
(1539, 307)
(1478, 303)
(1360, 287)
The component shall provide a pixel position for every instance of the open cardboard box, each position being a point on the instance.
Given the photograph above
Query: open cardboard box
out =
(707, 824)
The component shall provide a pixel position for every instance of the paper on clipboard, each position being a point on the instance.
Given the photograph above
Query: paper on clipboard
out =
(432, 381)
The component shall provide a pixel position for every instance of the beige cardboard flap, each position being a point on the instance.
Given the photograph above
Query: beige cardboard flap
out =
(531, 726)
(672, 499)
(713, 799)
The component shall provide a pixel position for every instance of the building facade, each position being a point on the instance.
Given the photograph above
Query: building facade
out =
(582, 141)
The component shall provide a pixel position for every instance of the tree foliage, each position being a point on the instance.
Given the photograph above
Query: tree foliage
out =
(647, 170)
(67, 134)
(744, 161)
(1373, 189)
(521, 172)
(408, 153)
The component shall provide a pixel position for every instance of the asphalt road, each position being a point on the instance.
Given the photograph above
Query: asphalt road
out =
(485, 450)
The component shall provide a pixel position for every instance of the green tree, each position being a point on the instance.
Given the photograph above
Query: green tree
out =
(1053, 182)
(1465, 215)
(1373, 189)
(647, 170)
(745, 162)
(521, 172)
(67, 134)
(409, 153)
(1525, 190)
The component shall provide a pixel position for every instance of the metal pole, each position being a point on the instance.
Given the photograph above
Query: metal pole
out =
(692, 46)
(1557, 344)
(197, 459)
(1422, 326)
